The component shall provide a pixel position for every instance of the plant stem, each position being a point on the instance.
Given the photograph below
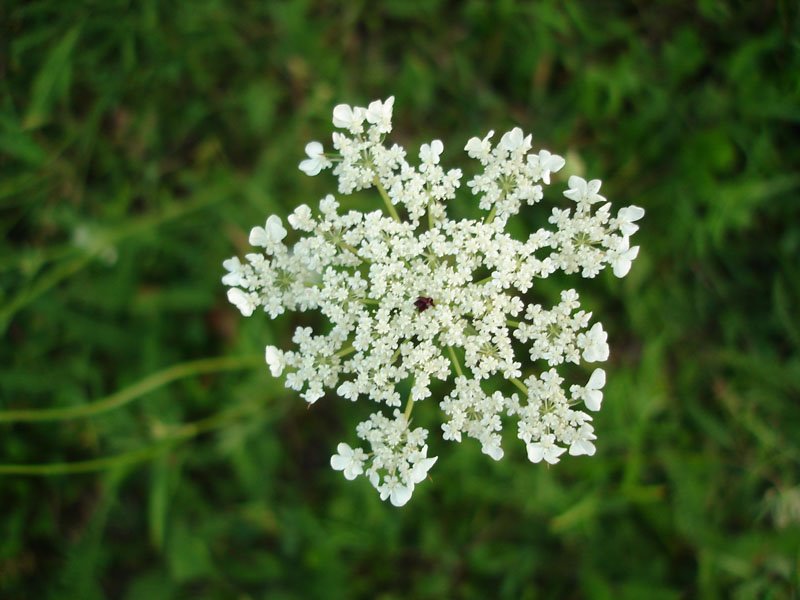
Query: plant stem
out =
(520, 386)
(389, 206)
(345, 351)
(181, 433)
(130, 393)
(52, 278)
(350, 249)
(409, 405)
(454, 360)
(112, 236)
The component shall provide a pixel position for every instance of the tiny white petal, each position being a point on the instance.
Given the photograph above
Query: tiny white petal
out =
(275, 360)
(241, 300)
(274, 228)
(400, 495)
(258, 237)
(339, 462)
(622, 263)
(495, 452)
(551, 454)
(581, 447)
(535, 453)
(597, 380)
(342, 115)
(627, 217)
(577, 183)
(420, 470)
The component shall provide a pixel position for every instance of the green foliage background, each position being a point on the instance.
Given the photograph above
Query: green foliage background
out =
(139, 142)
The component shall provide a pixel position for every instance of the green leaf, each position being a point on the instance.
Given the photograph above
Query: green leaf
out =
(86, 556)
(158, 500)
(18, 144)
(52, 82)
(187, 554)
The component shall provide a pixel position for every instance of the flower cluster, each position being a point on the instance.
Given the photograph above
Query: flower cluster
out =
(414, 296)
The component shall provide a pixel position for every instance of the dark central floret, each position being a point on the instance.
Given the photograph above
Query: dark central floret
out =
(423, 303)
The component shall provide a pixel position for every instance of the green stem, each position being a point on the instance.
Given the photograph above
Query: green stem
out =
(490, 217)
(454, 360)
(514, 324)
(350, 249)
(389, 206)
(181, 433)
(86, 466)
(52, 278)
(520, 386)
(409, 405)
(111, 237)
(345, 351)
(128, 394)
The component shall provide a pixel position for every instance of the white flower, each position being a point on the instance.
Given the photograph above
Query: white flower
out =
(480, 148)
(471, 411)
(301, 219)
(582, 191)
(316, 160)
(595, 347)
(627, 217)
(549, 163)
(582, 445)
(397, 493)
(235, 269)
(246, 303)
(380, 114)
(272, 233)
(429, 153)
(594, 394)
(347, 117)
(350, 461)
(420, 470)
(515, 140)
(413, 299)
(545, 450)
(275, 360)
(622, 259)
(494, 452)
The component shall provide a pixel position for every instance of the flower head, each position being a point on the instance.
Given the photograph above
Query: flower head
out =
(416, 297)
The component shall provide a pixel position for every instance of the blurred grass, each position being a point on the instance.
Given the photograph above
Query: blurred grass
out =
(140, 141)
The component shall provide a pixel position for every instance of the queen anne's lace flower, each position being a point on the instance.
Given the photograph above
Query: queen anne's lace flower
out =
(418, 297)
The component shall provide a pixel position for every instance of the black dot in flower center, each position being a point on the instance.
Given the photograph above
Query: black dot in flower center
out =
(423, 303)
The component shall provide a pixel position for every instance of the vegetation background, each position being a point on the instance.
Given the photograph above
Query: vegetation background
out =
(139, 142)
